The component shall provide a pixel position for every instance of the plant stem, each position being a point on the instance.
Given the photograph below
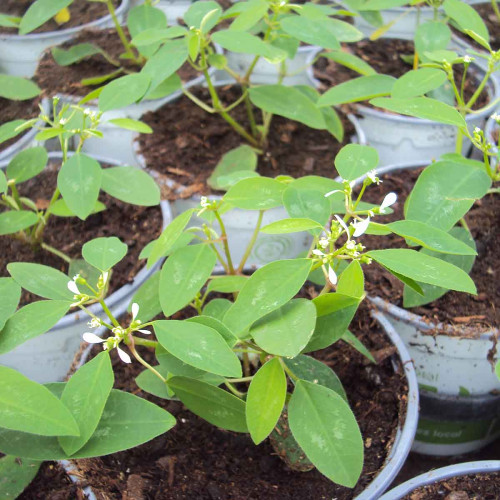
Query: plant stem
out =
(252, 241)
(288, 371)
(464, 224)
(126, 45)
(478, 91)
(108, 313)
(144, 363)
(145, 342)
(495, 8)
(225, 243)
(57, 252)
(234, 390)
(246, 364)
(237, 380)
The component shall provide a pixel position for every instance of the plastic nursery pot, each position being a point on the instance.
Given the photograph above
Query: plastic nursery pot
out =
(48, 357)
(435, 476)
(27, 139)
(459, 401)
(489, 131)
(173, 9)
(402, 442)
(19, 53)
(298, 70)
(117, 142)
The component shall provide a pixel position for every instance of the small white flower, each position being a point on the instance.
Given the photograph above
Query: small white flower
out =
(317, 252)
(372, 175)
(63, 121)
(87, 112)
(73, 288)
(389, 200)
(146, 332)
(343, 224)
(204, 202)
(468, 59)
(495, 116)
(118, 331)
(135, 311)
(360, 227)
(92, 338)
(94, 323)
(123, 355)
(351, 245)
(477, 130)
(332, 276)
(323, 242)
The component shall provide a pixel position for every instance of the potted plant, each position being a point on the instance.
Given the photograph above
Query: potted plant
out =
(54, 22)
(254, 342)
(422, 128)
(471, 478)
(39, 226)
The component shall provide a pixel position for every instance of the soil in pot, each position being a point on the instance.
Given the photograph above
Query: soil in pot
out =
(54, 79)
(17, 110)
(473, 486)
(485, 10)
(454, 307)
(80, 13)
(197, 460)
(385, 57)
(188, 142)
(136, 226)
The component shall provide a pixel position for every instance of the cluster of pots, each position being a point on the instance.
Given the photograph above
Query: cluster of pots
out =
(449, 422)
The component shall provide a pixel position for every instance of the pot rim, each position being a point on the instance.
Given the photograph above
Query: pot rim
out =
(436, 475)
(121, 9)
(126, 290)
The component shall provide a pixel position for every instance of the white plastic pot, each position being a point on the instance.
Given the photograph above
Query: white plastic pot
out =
(491, 126)
(48, 357)
(173, 9)
(298, 70)
(404, 434)
(19, 54)
(435, 476)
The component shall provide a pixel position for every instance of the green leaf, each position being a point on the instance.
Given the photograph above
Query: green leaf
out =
(242, 42)
(430, 237)
(370, 5)
(237, 159)
(355, 343)
(197, 12)
(17, 88)
(497, 369)
(142, 18)
(351, 281)
(350, 61)
(211, 403)
(29, 407)
(27, 164)
(3, 182)
(226, 284)
(131, 185)
(302, 202)
(217, 308)
(326, 429)
(418, 82)
(431, 36)
(258, 193)
(86, 271)
(424, 268)
(322, 32)
(41, 280)
(169, 236)
(291, 226)
(167, 87)
(310, 369)
(9, 21)
(30, 321)
(248, 18)
(16, 475)
(287, 330)
(150, 382)
(104, 253)
(66, 57)
(124, 91)
(85, 396)
(216, 325)
(13, 221)
(10, 292)
(129, 124)
(61, 209)
(79, 181)
(358, 89)
(445, 191)
(39, 12)
(355, 160)
(265, 400)
(431, 292)
(422, 107)
(269, 288)
(183, 275)
(9, 130)
(288, 102)
(466, 17)
(127, 421)
(148, 298)
(199, 346)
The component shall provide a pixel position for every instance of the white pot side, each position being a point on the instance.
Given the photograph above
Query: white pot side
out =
(173, 9)
(19, 54)
(48, 357)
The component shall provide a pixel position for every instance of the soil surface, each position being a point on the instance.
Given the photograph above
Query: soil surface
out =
(471, 487)
(136, 226)
(188, 142)
(80, 12)
(197, 460)
(458, 308)
(485, 10)
(385, 57)
(17, 110)
(54, 79)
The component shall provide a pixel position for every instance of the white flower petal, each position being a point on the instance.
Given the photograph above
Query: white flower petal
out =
(333, 192)
(123, 355)
(343, 224)
(135, 310)
(318, 252)
(73, 288)
(92, 338)
(389, 200)
(360, 227)
(332, 276)
(146, 332)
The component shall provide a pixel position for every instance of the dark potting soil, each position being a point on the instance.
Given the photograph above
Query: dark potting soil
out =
(54, 79)
(384, 56)
(17, 110)
(136, 226)
(458, 308)
(197, 460)
(470, 487)
(80, 12)
(188, 142)
(485, 10)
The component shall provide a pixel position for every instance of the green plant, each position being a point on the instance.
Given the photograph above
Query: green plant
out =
(79, 180)
(244, 362)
